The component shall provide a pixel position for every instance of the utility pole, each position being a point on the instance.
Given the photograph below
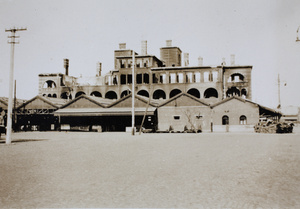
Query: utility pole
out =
(11, 80)
(279, 102)
(297, 39)
(133, 93)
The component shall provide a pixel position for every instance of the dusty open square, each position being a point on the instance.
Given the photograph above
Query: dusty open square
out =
(100, 170)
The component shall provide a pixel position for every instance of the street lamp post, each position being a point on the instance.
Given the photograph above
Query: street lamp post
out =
(11, 79)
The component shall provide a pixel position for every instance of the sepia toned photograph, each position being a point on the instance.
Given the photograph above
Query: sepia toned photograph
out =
(150, 104)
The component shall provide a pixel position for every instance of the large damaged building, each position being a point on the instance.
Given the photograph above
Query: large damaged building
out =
(170, 95)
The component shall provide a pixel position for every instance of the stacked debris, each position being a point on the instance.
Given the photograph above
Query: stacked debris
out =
(273, 127)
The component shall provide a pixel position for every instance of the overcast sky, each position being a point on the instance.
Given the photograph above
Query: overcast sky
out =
(260, 33)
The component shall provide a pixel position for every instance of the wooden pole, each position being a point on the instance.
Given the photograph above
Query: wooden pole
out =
(133, 93)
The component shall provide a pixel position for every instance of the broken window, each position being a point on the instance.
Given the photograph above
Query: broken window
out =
(154, 78)
(233, 91)
(111, 95)
(143, 93)
(194, 92)
(236, 77)
(146, 78)
(174, 92)
(125, 93)
(210, 92)
(96, 94)
(79, 94)
(159, 94)
(123, 79)
(139, 78)
(49, 84)
(129, 79)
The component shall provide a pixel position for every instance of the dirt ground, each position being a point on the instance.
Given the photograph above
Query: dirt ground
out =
(117, 170)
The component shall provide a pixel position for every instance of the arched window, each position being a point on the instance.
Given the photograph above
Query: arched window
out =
(143, 93)
(210, 92)
(194, 92)
(54, 96)
(111, 95)
(125, 93)
(233, 91)
(66, 95)
(49, 84)
(79, 94)
(243, 120)
(174, 92)
(159, 94)
(244, 93)
(96, 94)
(225, 120)
(236, 77)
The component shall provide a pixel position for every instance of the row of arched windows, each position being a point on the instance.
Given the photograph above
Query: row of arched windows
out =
(243, 120)
(157, 94)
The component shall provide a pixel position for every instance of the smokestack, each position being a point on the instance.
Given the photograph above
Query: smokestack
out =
(99, 69)
(66, 66)
(232, 59)
(122, 45)
(186, 59)
(223, 61)
(144, 48)
(200, 61)
(169, 43)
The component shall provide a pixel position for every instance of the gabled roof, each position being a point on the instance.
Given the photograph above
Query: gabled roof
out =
(4, 101)
(143, 99)
(262, 109)
(181, 95)
(231, 98)
(53, 102)
(101, 102)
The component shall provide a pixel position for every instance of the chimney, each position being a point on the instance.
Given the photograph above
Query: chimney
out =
(186, 59)
(200, 61)
(144, 48)
(122, 45)
(99, 69)
(232, 59)
(169, 43)
(66, 66)
(223, 61)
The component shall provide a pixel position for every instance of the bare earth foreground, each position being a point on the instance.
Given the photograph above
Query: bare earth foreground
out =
(117, 170)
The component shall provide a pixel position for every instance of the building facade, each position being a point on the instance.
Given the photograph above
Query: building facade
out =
(155, 78)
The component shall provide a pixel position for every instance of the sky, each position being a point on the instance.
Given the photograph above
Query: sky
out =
(261, 33)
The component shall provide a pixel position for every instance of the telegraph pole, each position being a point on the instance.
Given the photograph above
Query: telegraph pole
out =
(297, 38)
(279, 101)
(11, 80)
(132, 95)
